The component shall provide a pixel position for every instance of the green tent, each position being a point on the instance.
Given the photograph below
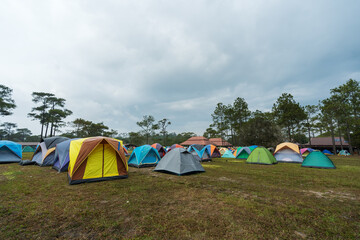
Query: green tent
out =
(317, 159)
(261, 155)
(243, 152)
(28, 149)
(228, 154)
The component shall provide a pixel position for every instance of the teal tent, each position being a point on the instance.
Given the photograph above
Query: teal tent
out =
(228, 154)
(317, 159)
(144, 156)
(10, 152)
(28, 149)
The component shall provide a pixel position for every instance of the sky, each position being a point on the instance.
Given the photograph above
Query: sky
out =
(116, 61)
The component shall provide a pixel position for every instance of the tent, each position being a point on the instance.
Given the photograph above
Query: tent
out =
(161, 150)
(10, 152)
(344, 153)
(261, 155)
(62, 157)
(213, 150)
(144, 156)
(44, 154)
(179, 162)
(28, 149)
(243, 153)
(96, 159)
(228, 154)
(288, 152)
(126, 151)
(327, 152)
(305, 151)
(200, 152)
(223, 150)
(317, 159)
(174, 146)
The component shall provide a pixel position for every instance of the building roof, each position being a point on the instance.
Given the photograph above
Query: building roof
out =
(219, 142)
(196, 140)
(327, 141)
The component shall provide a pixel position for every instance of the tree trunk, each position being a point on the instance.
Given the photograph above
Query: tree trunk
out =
(341, 145)
(349, 138)
(333, 137)
(51, 129)
(309, 131)
(47, 126)
(289, 133)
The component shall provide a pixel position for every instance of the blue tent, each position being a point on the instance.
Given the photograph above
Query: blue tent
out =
(200, 152)
(61, 162)
(144, 156)
(10, 152)
(327, 152)
(228, 154)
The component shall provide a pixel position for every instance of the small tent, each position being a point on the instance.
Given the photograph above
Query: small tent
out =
(10, 152)
(317, 159)
(144, 156)
(174, 146)
(161, 150)
(243, 153)
(28, 149)
(327, 152)
(344, 153)
(228, 154)
(44, 154)
(96, 159)
(305, 151)
(200, 152)
(126, 151)
(179, 162)
(261, 155)
(62, 158)
(223, 150)
(288, 152)
(213, 150)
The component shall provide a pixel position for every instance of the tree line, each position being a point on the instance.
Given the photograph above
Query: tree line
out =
(337, 115)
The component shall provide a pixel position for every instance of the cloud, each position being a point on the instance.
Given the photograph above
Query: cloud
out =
(116, 61)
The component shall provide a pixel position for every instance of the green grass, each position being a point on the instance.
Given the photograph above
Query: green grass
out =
(231, 200)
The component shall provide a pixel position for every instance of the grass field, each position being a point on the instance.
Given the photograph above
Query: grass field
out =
(232, 200)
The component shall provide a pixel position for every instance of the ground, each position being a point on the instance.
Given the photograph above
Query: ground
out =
(231, 200)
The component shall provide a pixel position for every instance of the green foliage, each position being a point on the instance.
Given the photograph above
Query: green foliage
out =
(7, 104)
(84, 128)
(148, 126)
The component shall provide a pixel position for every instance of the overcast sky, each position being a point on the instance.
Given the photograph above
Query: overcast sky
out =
(116, 61)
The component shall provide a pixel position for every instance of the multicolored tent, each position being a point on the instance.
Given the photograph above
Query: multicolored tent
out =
(288, 152)
(243, 152)
(344, 153)
(305, 151)
(44, 154)
(213, 150)
(223, 150)
(261, 155)
(96, 159)
(28, 149)
(174, 146)
(144, 156)
(10, 152)
(317, 159)
(200, 152)
(161, 150)
(179, 162)
(327, 152)
(228, 154)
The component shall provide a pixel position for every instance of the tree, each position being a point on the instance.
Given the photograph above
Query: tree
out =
(40, 112)
(288, 113)
(84, 128)
(238, 115)
(22, 134)
(163, 124)
(8, 129)
(327, 117)
(211, 133)
(7, 104)
(148, 126)
(57, 116)
(220, 122)
(262, 130)
(310, 111)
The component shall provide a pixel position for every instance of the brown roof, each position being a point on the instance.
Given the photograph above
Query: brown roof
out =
(327, 141)
(196, 140)
(219, 142)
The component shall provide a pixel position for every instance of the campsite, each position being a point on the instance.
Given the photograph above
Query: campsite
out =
(230, 200)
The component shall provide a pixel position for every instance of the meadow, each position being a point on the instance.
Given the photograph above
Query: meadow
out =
(231, 200)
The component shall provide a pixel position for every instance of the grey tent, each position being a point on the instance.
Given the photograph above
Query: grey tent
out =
(10, 152)
(179, 161)
(45, 152)
(62, 158)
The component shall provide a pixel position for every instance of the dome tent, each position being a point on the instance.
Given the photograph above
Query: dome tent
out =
(180, 162)
(62, 158)
(144, 156)
(96, 159)
(161, 150)
(10, 152)
(44, 154)
(261, 155)
(288, 152)
(243, 153)
(213, 150)
(317, 159)
(228, 154)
